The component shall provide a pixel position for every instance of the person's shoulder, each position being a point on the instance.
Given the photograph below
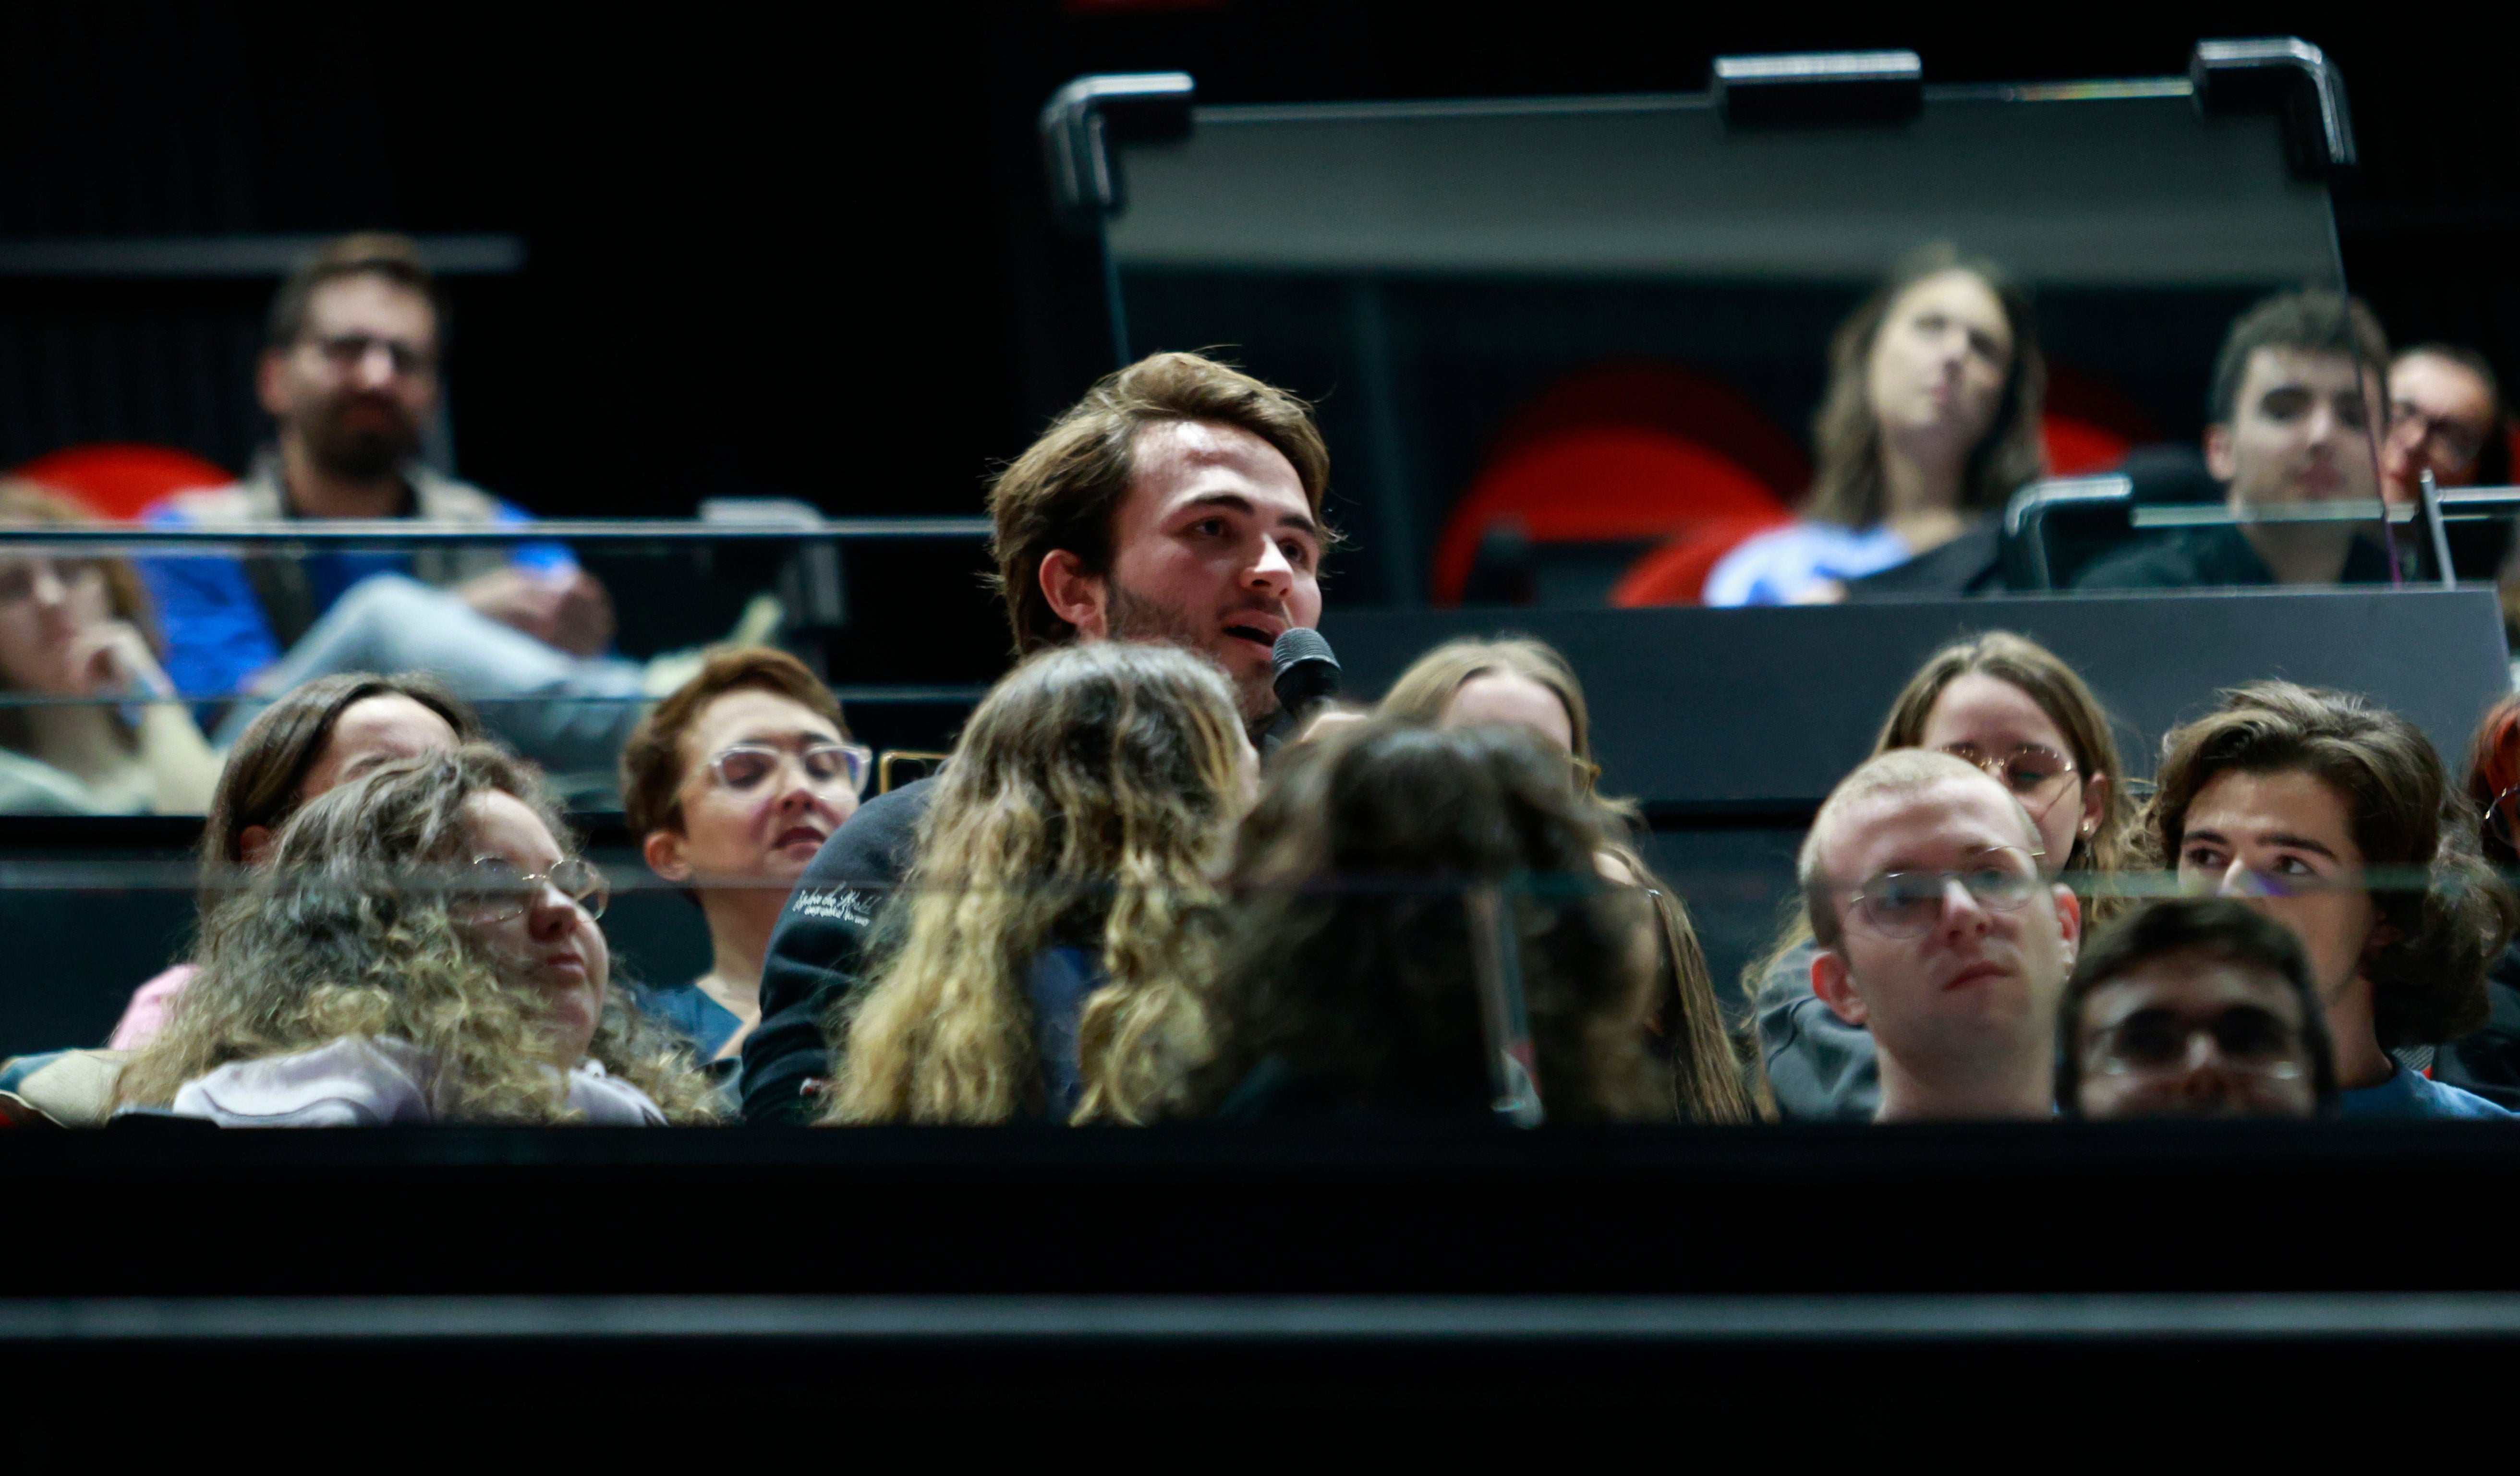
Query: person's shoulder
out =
(2193, 558)
(234, 503)
(355, 1080)
(874, 841)
(1775, 566)
(2442, 1099)
(439, 498)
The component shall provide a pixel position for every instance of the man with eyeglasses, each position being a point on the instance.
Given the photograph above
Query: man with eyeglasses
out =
(2445, 410)
(350, 376)
(1939, 934)
(2299, 397)
(2193, 1007)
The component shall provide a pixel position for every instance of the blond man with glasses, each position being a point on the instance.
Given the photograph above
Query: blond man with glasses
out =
(1939, 932)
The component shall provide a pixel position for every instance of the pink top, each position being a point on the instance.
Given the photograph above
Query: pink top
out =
(146, 1014)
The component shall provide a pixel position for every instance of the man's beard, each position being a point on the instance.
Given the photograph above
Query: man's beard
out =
(364, 451)
(1130, 618)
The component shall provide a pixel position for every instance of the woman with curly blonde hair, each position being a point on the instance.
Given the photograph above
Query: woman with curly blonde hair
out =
(1048, 945)
(421, 947)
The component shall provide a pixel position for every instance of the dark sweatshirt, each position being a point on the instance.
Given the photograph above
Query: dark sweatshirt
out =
(819, 947)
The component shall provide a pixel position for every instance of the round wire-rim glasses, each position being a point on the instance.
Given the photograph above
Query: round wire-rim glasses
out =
(502, 892)
(1910, 904)
(2034, 773)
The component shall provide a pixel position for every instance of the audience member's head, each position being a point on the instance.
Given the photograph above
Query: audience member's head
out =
(1349, 968)
(1179, 501)
(2297, 401)
(2445, 411)
(738, 776)
(318, 734)
(60, 616)
(1939, 368)
(1517, 682)
(350, 358)
(2009, 705)
(1088, 805)
(436, 901)
(1940, 933)
(2332, 815)
(2193, 1007)
(2494, 782)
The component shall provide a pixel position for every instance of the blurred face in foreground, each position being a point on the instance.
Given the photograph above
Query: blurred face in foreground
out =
(1953, 950)
(2191, 1035)
(532, 907)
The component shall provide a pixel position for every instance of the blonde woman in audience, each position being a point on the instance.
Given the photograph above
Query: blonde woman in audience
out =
(420, 946)
(78, 629)
(1522, 683)
(1046, 956)
(2010, 706)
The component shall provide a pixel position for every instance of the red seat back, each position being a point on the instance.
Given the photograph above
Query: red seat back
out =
(118, 480)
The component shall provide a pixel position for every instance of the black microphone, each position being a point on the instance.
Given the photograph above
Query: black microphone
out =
(1304, 672)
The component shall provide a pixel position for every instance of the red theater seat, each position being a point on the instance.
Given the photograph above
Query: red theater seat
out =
(1676, 573)
(118, 480)
(1624, 453)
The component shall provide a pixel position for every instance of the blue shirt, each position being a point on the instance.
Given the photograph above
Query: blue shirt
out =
(1775, 567)
(687, 1008)
(2412, 1095)
(216, 631)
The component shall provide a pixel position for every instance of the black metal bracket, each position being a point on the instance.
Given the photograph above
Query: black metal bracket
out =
(2289, 77)
(1818, 88)
(1083, 119)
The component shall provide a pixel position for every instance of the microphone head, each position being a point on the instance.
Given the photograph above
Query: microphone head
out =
(1302, 669)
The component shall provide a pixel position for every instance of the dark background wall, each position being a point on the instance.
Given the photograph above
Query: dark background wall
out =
(803, 253)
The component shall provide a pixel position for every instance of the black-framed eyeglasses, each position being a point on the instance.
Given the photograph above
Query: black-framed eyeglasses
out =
(500, 891)
(2036, 775)
(2458, 445)
(745, 766)
(347, 351)
(2250, 1041)
(1910, 904)
(20, 577)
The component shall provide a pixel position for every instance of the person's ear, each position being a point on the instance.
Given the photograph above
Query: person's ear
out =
(2219, 458)
(271, 383)
(2096, 805)
(252, 843)
(662, 850)
(2383, 933)
(1075, 596)
(1836, 987)
(2069, 920)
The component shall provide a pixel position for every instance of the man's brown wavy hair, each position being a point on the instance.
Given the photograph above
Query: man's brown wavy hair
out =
(1064, 490)
(2428, 981)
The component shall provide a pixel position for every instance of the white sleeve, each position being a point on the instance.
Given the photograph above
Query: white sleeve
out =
(349, 1084)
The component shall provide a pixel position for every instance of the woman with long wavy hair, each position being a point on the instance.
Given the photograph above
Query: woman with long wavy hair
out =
(1930, 425)
(2014, 708)
(1349, 968)
(420, 946)
(1046, 956)
(1522, 683)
